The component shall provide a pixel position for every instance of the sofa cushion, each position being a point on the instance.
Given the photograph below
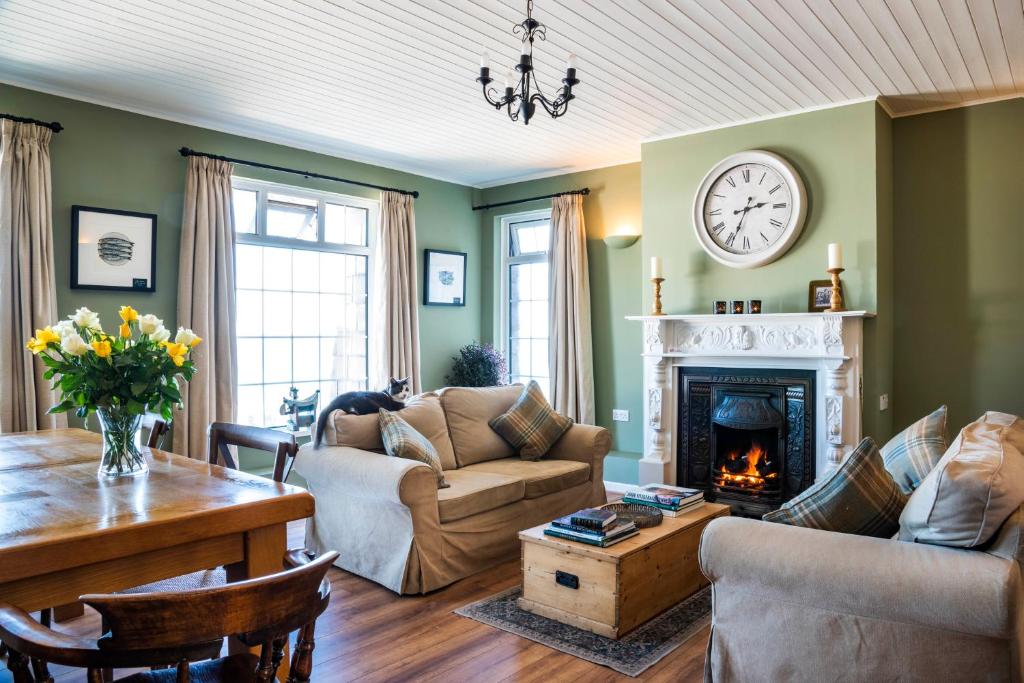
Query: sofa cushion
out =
(859, 497)
(422, 412)
(976, 486)
(471, 493)
(402, 441)
(468, 410)
(910, 455)
(531, 425)
(541, 477)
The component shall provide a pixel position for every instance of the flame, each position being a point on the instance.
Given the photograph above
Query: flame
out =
(751, 476)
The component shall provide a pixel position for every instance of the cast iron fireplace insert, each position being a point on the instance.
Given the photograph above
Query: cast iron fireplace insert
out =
(746, 437)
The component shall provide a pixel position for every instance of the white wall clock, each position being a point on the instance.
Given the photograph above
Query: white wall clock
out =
(749, 209)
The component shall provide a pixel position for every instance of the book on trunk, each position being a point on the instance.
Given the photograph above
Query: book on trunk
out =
(619, 532)
(669, 510)
(593, 518)
(664, 494)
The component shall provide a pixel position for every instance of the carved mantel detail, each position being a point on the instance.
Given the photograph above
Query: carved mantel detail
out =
(829, 343)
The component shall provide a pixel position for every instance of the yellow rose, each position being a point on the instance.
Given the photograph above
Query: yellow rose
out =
(42, 338)
(176, 352)
(125, 330)
(128, 314)
(195, 342)
(102, 348)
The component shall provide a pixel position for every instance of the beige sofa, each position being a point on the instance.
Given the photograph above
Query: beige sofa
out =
(389, 521)
(795, 604)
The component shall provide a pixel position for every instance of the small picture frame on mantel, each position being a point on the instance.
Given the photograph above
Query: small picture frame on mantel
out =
(113, 249)
(444, 278)
(819, 295)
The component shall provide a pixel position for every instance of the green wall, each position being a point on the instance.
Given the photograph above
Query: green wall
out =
(837, 152)
(613, 203)
(115, 159)
(959, 246)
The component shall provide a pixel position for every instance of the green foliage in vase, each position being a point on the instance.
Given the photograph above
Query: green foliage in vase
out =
(131, 373)
(477, 365)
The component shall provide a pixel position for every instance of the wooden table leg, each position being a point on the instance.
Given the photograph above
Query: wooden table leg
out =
(264, 554)
(67, 612)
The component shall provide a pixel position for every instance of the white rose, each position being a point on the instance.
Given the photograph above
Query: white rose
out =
(149, 323)
(185, 337)
(160, 334)
(74, 344)
(87, 319)
(64, 328)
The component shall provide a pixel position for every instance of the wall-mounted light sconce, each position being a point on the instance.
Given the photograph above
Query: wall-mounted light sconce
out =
(625, 236)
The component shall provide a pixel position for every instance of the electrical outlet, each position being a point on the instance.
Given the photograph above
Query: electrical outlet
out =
(883, 402)
(619, 415)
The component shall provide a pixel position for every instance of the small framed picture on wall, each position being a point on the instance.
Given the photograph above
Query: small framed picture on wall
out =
(112, 249)
(444, 278)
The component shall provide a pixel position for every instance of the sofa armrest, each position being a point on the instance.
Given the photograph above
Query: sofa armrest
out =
(584, 443)
(368, 475)
(945, 588)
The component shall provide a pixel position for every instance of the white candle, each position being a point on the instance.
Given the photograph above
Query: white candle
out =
(835, 256)
(655, 267)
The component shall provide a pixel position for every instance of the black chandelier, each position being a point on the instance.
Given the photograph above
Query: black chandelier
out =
(520, 100)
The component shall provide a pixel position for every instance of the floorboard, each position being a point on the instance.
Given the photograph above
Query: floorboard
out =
(370, 635)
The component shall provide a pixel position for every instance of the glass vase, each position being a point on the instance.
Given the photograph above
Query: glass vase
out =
(122, 456)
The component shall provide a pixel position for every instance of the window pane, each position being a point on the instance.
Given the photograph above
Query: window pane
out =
(248, 266)
(277, 360)
(294, 217)
(250, 361)
(529, 237)
(305, 361)
(345, 224)
(277, 314)
(273, 396)
(250, 313)
(244, 205)
(277, 268)
(250, 405)
(305, 270)
(304, 315)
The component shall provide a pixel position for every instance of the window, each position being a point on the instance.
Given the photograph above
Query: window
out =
(302, 283)
(524, 319)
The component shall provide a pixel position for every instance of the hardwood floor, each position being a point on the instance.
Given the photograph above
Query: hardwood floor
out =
(370, 634)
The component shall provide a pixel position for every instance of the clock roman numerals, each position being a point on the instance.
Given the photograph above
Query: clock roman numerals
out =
(730, 239)
(714, 212)
(730, 181)
(746, 175)
(762, 177)
(746, 243)
(763, 237)
(718, 227)
(776, 223)
(774, 189)
(780, 205)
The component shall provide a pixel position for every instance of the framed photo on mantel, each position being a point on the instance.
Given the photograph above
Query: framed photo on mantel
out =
(444, 278)
(113, 250)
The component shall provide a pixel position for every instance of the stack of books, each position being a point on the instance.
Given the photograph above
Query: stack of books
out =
(673, 501)
(593, 526)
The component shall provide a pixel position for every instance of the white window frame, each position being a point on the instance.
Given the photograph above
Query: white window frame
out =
(262, 239)
(507, 261)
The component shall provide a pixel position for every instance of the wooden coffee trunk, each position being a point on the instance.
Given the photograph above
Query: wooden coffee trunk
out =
(611, 591)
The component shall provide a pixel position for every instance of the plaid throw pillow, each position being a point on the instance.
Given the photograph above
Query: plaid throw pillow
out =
(860, 497)
(531, 425)
(402, 441)
(910, 455)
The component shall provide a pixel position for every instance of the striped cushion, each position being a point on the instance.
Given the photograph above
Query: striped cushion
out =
(860, 497)
(531, 425)
(402, 441)
(910, 455)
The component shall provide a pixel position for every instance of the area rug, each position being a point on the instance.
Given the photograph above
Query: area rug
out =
(632, 655)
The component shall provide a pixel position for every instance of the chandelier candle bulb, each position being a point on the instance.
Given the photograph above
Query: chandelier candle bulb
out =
(570, 63)
(485, 61)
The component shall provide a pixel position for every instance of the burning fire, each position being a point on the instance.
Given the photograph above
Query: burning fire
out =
(754, 463)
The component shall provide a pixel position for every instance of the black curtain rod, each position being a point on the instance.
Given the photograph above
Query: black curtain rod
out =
(583, 191)
(52, 125)
(186, 152)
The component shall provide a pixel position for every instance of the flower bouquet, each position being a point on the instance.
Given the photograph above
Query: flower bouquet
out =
(118, 377)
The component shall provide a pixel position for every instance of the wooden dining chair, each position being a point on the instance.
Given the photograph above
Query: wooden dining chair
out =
(185, 630)
(225, 434)
(157, 428)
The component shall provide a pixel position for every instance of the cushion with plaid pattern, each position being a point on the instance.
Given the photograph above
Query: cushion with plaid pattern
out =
(910, 455)
(531, 425)
(402, 441)
(859, 497)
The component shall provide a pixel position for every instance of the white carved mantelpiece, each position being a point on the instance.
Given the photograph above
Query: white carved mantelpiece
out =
(831, 344)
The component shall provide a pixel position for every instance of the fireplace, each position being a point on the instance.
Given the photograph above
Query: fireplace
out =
(746, 435)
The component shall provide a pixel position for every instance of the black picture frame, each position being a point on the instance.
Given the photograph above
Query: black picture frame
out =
(147, 284)
(428, 267)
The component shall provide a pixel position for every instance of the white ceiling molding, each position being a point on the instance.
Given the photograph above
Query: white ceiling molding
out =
(391, 82)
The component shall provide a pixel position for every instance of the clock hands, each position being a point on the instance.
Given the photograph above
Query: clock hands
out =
(748, 208)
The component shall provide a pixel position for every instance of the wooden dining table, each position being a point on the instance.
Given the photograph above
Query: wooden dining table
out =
(64, 531)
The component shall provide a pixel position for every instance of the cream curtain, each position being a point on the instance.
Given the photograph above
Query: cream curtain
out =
(28, 292)
(206, 302)
(397, 321)
(570, 351)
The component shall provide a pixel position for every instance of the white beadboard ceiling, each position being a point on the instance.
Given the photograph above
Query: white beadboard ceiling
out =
(391, 81)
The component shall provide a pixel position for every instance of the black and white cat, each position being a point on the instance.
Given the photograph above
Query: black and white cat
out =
(364, 403)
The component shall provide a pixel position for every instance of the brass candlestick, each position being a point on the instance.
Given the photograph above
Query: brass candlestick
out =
(657, 295)
(837, 291)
